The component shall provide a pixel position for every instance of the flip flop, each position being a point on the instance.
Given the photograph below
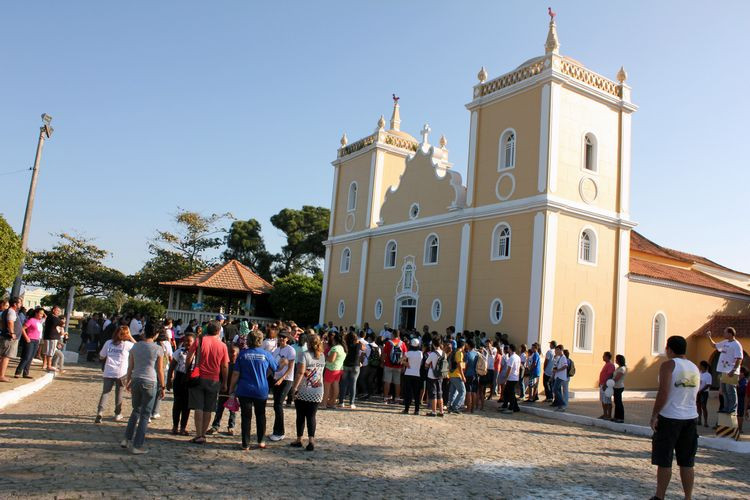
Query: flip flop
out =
(198, 440)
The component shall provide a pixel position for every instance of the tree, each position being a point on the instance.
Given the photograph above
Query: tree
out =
(11, 255)
(195, 234)
(245, 244)
(297, 297)
(305, 231)
(148, 308)
(165, 265)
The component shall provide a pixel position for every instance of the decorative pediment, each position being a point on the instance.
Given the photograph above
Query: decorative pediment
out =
(427, 187)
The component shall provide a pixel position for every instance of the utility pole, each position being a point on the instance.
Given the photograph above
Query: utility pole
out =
(45, 132)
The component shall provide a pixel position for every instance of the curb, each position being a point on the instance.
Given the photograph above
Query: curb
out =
(723, 444)
(15, 395)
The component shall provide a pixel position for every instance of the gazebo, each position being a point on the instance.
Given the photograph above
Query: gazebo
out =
(240, 292)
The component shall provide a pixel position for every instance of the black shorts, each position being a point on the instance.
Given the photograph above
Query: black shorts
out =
(674, 437)
(204, 396)
(435, 387)
(703, 397)
(472, 384)
(488, 378)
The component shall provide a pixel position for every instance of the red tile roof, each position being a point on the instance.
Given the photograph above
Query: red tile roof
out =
(232, 276)
(640, 243)
(680, 275)
(717, 324)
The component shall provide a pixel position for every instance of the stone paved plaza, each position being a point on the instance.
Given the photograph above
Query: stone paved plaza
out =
(50, 447)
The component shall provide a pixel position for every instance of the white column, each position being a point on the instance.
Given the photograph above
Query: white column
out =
(625, 147)
(554, 127)
(248, 302)
(548, 280)
(362, 280)
(472, 159)
(543, 140)
(324, 293)
(200, 295)
(335, 189)
(535, 293)
(376, 182)
(463, 276)
(171, 297)
(621, 311)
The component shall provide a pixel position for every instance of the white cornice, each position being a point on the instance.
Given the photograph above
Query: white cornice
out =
(686, 288)
(727, 273)
(379, 145)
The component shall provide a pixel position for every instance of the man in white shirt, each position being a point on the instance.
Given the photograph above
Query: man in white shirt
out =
(560, 376)
(547, 378)
(384, 332)
(514, 370)
(136, 327)
(730, 358)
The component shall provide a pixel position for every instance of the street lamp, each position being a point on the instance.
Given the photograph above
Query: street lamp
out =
(45, 132)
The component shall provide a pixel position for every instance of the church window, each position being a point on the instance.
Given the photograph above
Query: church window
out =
(408, 278)
(352, 201)
(584, 328)
(391, 251)
(501, 242)
(658, 334)
(507, 150)
(378, 309)
(346, 260)
(587, 247)
(431, 249)
(496, 311)
(589, 153)
(342, 309)
(437, 309)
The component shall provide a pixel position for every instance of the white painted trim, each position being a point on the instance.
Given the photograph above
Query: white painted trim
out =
(666, 334)
(15, 395)
(621, 305)
(501, 150)
(463, 276)
(594, 246)
(362, 281)
(368, 214)
(341, 261)
(377, 190)
(350, 221)
(591, 323)
(535, 288)
(595, 141)
(686, 288)
(385, 255)
(471, 168)
(625, 160)
(494, 320)
(375, 310)
(333, 199)
(432, 310)
(324, 293)
(512, 188)
(397, 309)
(380, 146)
(548, 277)
(341, 309)
(349, 207)
(554, 135)
(425, 262)
(414, 205)
(494, 240)
(727, 273)
(543, 139)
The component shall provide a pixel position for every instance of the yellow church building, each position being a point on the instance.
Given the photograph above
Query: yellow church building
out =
(537, 242)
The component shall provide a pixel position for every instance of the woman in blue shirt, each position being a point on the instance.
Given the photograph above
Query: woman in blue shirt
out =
(250, 385)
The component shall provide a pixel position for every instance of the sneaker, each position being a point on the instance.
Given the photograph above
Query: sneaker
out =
(276, 437)
(310, 447)
(118, 418)
(352, 407)
(441, 415)
(98, 419)
(212, 430)
(138, 451)
(125, 443)
(156, 415)
(430, 414)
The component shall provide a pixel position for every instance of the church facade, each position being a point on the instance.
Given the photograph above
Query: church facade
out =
(537, 242)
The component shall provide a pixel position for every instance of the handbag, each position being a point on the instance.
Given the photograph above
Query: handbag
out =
(195, 373)
(232, 404)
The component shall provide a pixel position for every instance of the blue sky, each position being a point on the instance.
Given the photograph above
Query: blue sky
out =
(239, 106)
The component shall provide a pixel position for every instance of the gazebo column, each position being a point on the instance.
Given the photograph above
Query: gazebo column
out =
(200, 295)
(248, 303)
(171, 297)
(177, 301)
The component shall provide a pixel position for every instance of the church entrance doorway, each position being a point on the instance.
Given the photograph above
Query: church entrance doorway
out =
(407, 313)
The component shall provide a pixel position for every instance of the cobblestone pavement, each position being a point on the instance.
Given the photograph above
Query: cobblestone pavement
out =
(50, 447)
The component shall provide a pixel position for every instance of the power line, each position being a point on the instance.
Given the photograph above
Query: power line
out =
(17, 171)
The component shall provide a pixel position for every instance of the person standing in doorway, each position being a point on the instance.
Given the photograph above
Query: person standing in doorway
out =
(674, 418)
(730, 358)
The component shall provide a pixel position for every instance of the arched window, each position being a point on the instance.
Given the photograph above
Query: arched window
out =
(437, 309)
(584, 328)
(589, 152)
(507, 150)
(346, 260)
(342, 309)
(496, 311)
(587, 247)
(408, 278)
(431, 249)
(658, 334)
(352, 200)
(378, 309)
(391, 251)
(501, 242)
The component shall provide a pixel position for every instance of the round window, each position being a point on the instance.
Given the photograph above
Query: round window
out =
(496, 311)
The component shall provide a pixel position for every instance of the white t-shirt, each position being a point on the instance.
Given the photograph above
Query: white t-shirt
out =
(116, 365)
(514, 365)
(415, 362)
(561, 364)
(270, 344)
(432, 360)
(180, 357)
(549, 356)
(706, 381)
(731, 351)
(385, 334)
(170, 333)
(167, 347)
(135, 327)
(491, 354)
(290, 355)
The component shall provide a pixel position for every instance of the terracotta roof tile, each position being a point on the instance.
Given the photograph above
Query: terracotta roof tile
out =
(232, 275)
(640, 243)
(717, 324)
(679, 275)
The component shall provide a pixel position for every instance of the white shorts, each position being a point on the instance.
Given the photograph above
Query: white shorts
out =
(607, 400)
(49, 347)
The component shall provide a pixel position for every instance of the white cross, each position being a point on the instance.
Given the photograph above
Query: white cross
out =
(425, 132)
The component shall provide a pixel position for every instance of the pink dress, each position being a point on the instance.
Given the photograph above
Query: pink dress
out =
(33, 328)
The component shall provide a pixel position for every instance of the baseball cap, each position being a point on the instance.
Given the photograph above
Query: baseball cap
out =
(220, 317)
(414, 342)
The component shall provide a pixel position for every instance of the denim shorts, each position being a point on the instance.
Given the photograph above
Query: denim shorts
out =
(204, 395)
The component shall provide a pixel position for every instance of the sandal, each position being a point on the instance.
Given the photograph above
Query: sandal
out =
(184, 432)
(261, 446)
(175, 431)
(198, 440)
(296, 444)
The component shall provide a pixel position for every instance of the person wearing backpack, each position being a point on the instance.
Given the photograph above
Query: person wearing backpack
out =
(472, 359)
(458, 379)
(370, 364)
(393, 351)
(437, 369)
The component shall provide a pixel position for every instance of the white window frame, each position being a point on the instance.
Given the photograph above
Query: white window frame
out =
(494, 320)
(412, 207)
(404, 269)
(501, 166)
(346, 258)
(395, 255)
(351, 201)
(593, 246)
(378, 309)
(427, 248)
(594, 150)
(590, 322)
(341, 308)
(663, 334)
(437, 307)
(495, 240)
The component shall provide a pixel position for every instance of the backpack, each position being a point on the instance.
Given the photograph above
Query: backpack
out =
(441, 367)
(374, 359)
(571, 368)
(454, 363)
(396, 353)
(481, 364)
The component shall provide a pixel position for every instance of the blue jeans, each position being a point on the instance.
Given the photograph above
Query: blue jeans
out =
(457, 394)
(729, 392)
(28, 350)
(144, 397)
(349, 384)
(559, 387)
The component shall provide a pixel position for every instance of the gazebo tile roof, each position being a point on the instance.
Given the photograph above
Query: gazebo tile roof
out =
(231, 275)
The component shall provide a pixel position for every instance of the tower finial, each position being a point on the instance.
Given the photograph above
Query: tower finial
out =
(552, 46)
(622, 75)
(425, 133)
(381, 123)
(443, 141)
(344, 140)
(482, 75)
(396, 116)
